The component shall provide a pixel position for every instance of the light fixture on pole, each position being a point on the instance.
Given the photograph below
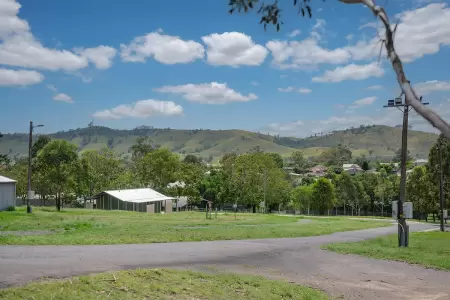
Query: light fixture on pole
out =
(403, 231)
(30, 193)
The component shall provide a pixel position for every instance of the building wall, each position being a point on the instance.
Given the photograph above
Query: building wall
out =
(108, 202)
(7, 195)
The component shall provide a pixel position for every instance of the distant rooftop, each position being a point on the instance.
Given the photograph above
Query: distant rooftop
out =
(4, 179)
(138, 195)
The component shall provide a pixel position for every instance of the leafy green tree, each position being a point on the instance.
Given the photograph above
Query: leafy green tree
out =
(58, 158)
(192, 159)
(255, 175)
(39, 144)
(4, 162)
(298, 161)
(362, 198)
(336, 156)
(387, 167)
(369, 182)
(158, 168)
(433, 166)
(346, 191)
(360, 160)
(421, 191)
(19, 172)
(323, 195)
(105, 167)
(398, 156)
(277, 158)
(384, 190)
(301, 197)
(365, 166)
(143, 146)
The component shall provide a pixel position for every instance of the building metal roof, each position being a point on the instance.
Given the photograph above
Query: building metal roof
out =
(4, 179)
(138, 195)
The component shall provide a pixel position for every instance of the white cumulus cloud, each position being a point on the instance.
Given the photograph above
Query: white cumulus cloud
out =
(351, 72)
(428, 87)
(363, 102)
(100, 56)
(294, 33)
(163, 48)
(294, 89)
(63, 98)
(233, 49)
(141, 109)
(375, 87)
(19, 77)
(207, 93)
(19, 48)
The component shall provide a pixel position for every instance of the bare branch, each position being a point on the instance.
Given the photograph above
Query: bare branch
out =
(410, 95)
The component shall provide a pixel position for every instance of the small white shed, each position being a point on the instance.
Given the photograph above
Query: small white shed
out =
(7, 192)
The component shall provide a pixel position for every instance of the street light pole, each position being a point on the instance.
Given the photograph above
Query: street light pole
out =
(30, 145)
(441, 189)
(403, 231)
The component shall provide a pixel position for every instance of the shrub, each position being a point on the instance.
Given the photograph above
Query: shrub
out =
(11, 208)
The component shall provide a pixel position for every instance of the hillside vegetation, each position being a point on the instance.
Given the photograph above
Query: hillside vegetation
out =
(374, 141)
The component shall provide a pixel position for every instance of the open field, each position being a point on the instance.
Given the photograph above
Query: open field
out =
(429, 249)
(82, 227)
(162, 284)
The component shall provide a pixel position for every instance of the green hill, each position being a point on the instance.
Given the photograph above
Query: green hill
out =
(375, 141)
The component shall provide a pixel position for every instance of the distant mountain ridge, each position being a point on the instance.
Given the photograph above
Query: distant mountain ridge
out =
(373, 140)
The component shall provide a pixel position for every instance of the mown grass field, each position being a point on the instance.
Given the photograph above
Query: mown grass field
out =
(83, 227)
(163, 284)
(428, 249)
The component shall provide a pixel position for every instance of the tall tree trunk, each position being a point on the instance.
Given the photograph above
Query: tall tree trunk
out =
(58, 201)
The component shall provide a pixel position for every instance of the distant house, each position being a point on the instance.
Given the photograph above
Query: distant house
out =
(352, 169)
(142, 200)
(7, 192)
(420, 162)
(318, 170)
(176, 184)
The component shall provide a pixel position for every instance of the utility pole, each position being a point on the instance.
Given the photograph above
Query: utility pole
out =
(30, 145)
(265, 188)
(403, 229)
(441, 188)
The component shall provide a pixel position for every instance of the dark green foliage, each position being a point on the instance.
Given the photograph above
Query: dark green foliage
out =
(39, 144)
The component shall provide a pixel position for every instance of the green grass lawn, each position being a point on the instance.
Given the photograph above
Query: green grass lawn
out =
(162, 284)
(82, 226)
(429, 249)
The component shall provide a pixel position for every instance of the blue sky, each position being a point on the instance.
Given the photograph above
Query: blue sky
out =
(189, 64)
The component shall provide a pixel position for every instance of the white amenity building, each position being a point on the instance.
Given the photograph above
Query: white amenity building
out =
(143, 200)
(7, 192)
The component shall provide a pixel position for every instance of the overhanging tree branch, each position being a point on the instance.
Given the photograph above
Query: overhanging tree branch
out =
(410, 95)
(272, 16)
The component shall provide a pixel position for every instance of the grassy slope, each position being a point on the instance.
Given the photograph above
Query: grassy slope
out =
(163, 284)
(429, 249)
(383, 140)
(81, 226)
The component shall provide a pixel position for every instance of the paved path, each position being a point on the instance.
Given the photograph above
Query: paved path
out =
(298, 260)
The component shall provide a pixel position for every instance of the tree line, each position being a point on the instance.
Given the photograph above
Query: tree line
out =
(255, 179)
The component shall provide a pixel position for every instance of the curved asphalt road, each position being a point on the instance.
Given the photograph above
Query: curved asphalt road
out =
(298, 260)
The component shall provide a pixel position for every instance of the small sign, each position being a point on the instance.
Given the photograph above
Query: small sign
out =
(31, 195)
(445, 214)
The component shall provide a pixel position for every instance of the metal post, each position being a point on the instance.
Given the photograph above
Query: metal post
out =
(30, 144)
(441, 189)
(402, 232)
(265, 188)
